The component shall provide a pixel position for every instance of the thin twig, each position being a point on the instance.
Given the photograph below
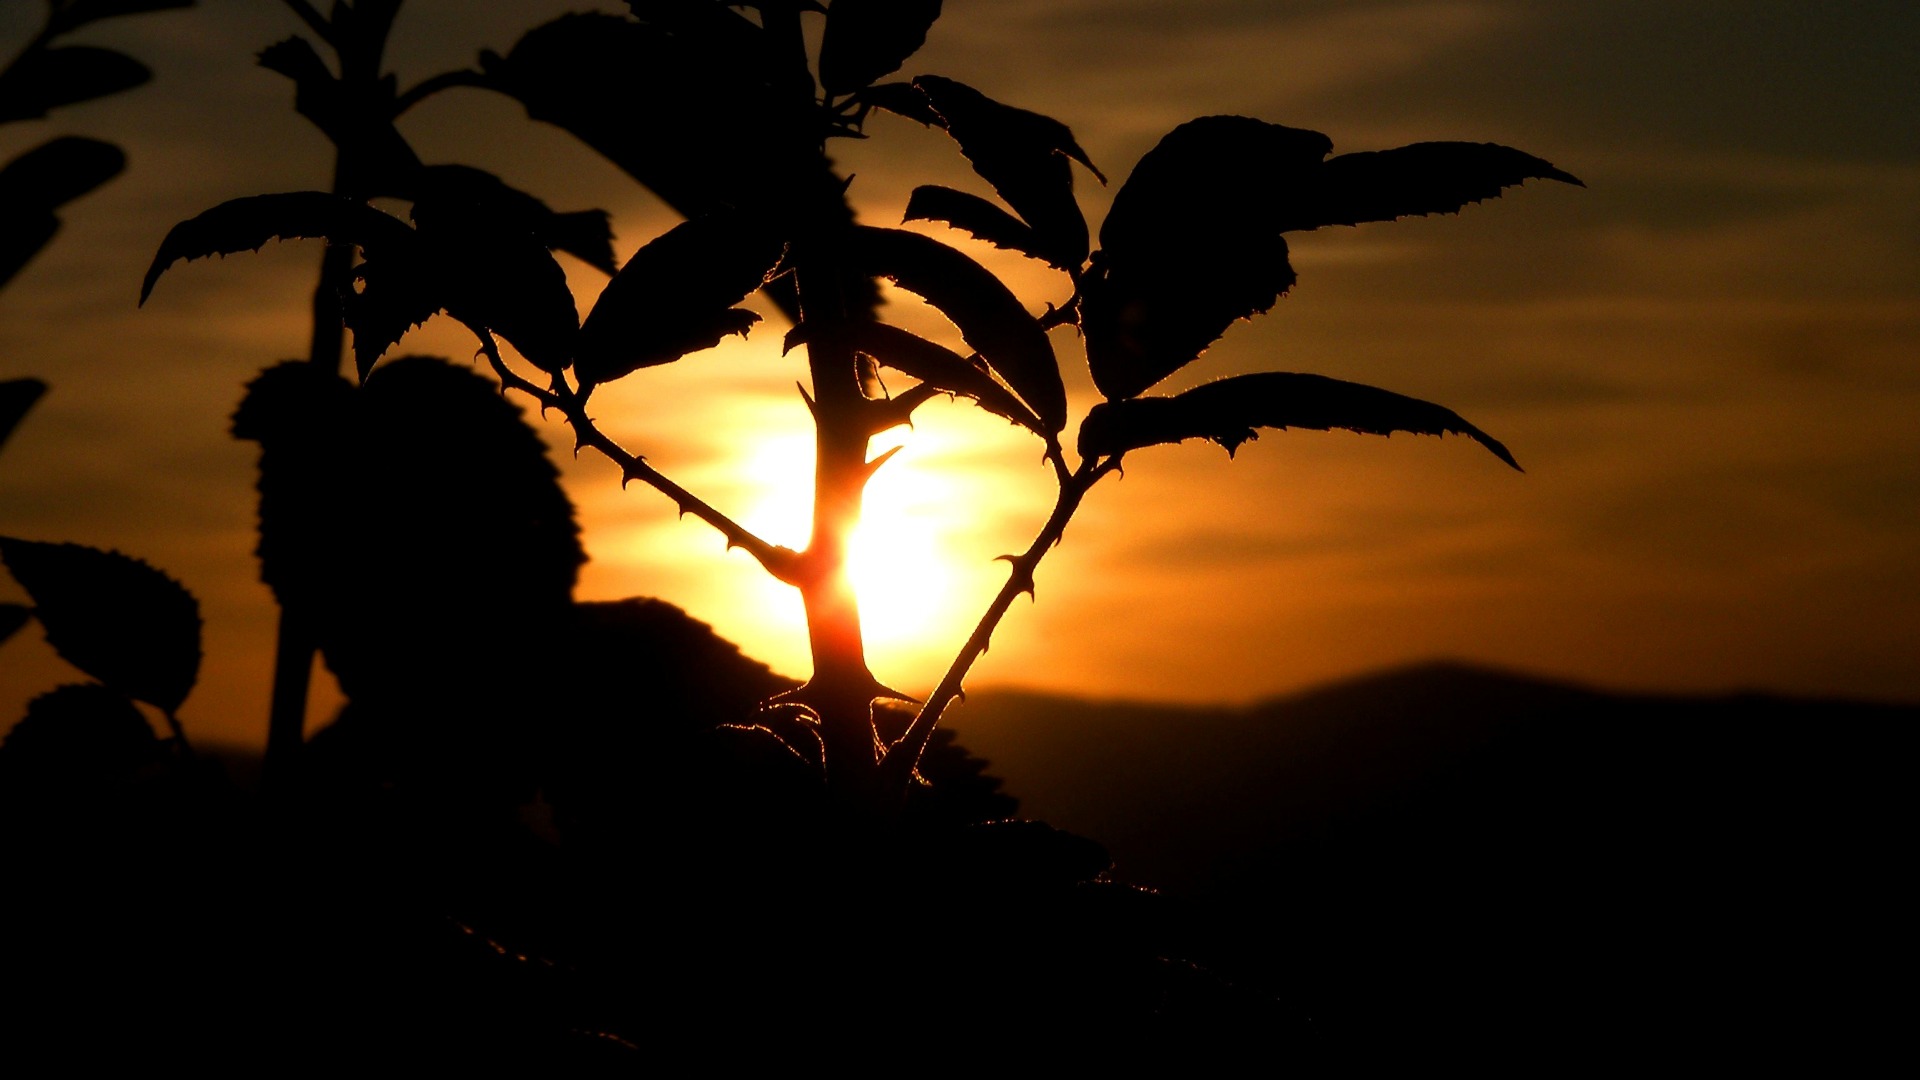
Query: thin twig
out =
(782, 562)
(904, 755)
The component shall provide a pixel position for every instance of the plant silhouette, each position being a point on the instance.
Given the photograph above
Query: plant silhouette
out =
(118, 620)
(1193, 243)
(567, 824)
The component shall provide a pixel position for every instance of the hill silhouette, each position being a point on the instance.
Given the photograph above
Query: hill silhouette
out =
(1499, 860)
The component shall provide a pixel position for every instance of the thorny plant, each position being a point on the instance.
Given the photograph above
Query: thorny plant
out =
(1194, 242)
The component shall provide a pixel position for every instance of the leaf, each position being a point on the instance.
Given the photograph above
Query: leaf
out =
(247, 224)
(26, 234)
(112, 616)
(74, 737)
(1422, 178)
(988, 315)
(57, 172)
(12, 618)
(869, 39)
(1189, 247)
(933, 364)
(1227, 410)
(81, 12)
(1024, 155)
(975, 215)
(901, 99)
(584, 234)
(676, 295)
(45, 79)
(16, 397)
(704, 130)
(37, 182)
(395, 296)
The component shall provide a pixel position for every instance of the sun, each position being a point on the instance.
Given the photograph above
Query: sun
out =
(901, 558)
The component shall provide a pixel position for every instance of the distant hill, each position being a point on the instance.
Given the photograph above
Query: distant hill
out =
(1466, 844)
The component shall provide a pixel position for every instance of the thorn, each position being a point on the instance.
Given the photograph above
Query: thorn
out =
(808, 398)
(874, 465)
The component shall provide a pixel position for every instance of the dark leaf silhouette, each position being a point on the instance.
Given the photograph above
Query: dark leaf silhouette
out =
(37, 182)
(989, 316)
(76, 732)
(676, 295)
(569, 72)
(1414, 180)
(58, 171)
(247, 224)
(79, 13)
(12, 618)
(45, 79)
(112, 616)
(492, 272)
(869, 39)
(975, 215)
(16, 397)
(901, 99)
(585, 234)
(936, 365)
(395, 295)
(1188, 247)
(724, 144)
(1024, 155)
(1228, 410)
(1193, 240)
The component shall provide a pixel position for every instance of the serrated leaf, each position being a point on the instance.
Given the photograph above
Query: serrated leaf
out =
(988, 315)
(973, 214)
(81, 12)
(1024, 155)
(16, 397)
(1410, 181)
(12, 618)
(1189, 247)
(584, 234)
(505, 281)
(394, 297)
(676, 295)
(900, 99)
(247, 224)
(112, 616)
(1228, 410)
(933, 364)
(45, 79)
(725, 143)
(869, 39)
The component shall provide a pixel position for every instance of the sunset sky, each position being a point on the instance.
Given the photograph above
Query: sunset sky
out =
(1708, 361)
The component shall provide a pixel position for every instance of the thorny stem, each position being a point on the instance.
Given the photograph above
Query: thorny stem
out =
(904, 755)
(781, 562)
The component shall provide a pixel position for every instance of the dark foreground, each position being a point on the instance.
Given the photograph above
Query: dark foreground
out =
(1439, 865)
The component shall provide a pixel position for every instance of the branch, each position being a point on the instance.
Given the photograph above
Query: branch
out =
(904, 755)
(782, 562)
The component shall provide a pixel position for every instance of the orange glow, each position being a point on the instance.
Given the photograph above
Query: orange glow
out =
(902, 564)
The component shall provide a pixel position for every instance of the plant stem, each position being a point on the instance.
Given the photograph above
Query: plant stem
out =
(904, 755)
